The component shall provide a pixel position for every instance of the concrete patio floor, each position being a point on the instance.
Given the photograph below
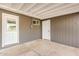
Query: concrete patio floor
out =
(40, 48)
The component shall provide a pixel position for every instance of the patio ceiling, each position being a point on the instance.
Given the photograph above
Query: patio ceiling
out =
(41, 10)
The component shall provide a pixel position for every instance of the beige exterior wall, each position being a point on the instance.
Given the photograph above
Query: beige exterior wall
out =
(26, 32)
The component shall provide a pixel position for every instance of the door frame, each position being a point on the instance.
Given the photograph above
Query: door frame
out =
(3, 24)
(48, 30)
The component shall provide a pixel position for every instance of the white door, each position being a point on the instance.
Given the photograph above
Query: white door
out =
(46, 28)
(10, 29)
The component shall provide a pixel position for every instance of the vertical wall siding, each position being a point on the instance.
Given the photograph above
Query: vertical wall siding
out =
(65, 29)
